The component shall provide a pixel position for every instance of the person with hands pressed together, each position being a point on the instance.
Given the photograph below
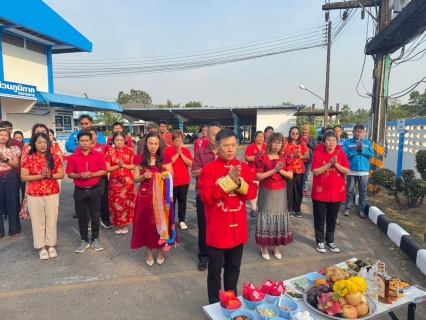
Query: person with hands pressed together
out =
(359, 152)
(224, 186)
(9, 159)
(181, 161)
(42, 169)
(122, 191)
(329, 166)
(296, 152)
(273, 223)
(86, 167)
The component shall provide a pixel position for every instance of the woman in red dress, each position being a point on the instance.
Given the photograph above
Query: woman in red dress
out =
(253, 150)
(145, 232)
(296, 151)
(122, 192)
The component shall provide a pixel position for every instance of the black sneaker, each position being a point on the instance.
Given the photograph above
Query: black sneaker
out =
(291, 214)
(320, 247)
(298, 214)
(106, 224)
(253, 214)
(202, 265)
(332, 247)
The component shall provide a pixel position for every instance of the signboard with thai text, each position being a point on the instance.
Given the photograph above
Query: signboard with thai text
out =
(18, 90)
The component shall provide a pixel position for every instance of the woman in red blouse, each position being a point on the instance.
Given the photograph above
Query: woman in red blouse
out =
(329, 167)
(181, 161)
(253, 150)
(145, 233)
(41, 169)
(273, 224)
(122, 192)
(296, 152)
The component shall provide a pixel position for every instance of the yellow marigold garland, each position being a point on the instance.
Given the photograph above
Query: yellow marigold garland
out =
(351, 286)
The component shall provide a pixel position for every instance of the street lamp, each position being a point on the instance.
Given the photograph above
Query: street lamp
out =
(302, 87)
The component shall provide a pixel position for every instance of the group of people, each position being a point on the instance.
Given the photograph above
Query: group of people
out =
(273, 179)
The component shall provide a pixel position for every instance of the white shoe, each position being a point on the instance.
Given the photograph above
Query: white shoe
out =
(118, 231)
(52, 252)
(265, 256)
(124, 230)
(43, 254)
(183, 225)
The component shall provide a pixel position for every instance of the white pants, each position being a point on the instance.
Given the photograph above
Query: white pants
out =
(253, 203)
(44, 219)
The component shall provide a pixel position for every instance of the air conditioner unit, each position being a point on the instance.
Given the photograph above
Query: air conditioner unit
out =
(398, 6)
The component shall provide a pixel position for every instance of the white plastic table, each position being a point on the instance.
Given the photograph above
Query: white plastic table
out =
(412, 297)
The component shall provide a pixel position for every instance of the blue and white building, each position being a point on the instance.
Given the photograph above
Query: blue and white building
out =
(30, 34)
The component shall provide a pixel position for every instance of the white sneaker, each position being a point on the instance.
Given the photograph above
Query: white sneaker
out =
(183, 225)
(321, 247)
(332, 247)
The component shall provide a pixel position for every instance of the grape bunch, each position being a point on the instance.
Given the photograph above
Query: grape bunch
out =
(314, 293)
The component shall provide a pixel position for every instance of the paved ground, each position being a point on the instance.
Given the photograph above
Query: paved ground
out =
(117, 284)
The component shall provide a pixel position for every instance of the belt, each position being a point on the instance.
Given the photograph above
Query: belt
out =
(87, 188)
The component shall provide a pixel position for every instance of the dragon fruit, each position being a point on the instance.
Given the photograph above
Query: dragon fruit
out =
(328, 303)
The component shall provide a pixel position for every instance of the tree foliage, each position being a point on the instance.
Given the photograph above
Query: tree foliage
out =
(109, 118)
(168, 105)
(194, 104)
(348, 116)
(416, 106)
(135, 96)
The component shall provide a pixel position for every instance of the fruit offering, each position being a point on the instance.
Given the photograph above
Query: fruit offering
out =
(251, 293)
(268, 313)
(241, 318)
(229, 301)
(302, 315)
(273, 289)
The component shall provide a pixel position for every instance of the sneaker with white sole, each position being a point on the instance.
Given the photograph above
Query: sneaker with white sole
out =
(106, 224)
(97, 245)
(362, 214)
(183, 225)
(332, 247)
(82, 246)
(346, 213)
(321, 247)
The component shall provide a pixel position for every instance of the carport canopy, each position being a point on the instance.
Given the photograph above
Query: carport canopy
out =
(226, 116)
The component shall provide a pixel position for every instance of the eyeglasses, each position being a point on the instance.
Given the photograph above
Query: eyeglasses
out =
(277, 143)
(294, 133)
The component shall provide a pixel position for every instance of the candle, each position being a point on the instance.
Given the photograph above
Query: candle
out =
(87, 166)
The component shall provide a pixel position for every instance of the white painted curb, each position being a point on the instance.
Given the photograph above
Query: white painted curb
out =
(395, 233)
(374, 213)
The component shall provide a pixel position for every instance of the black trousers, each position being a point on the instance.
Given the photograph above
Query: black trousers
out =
(22, 188)
(180, 194)
(84, 200)
(295, 192)
(104, 187)
(203, 250)
(231, 271)
(325, 213)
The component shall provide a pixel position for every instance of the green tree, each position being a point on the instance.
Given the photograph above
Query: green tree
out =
(109, 118)
(396, 111)
(135, 96)
(168, 104)
(287, 103)
(417, 104)
(193, 104)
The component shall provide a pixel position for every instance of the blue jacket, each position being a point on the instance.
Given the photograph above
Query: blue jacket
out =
(72, 142)
(359, 160)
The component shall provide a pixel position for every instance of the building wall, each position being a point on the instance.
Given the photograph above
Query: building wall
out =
(24, 66)
(280, 119)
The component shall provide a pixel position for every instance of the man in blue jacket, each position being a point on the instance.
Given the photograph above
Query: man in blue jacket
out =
(85, 121)
(359, 152)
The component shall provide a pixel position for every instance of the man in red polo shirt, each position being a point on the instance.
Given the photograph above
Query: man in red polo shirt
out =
(202, 141)
(166, 136)
(86, 167)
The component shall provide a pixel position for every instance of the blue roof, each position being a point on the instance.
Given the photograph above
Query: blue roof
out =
(77, 103)
(35, 20)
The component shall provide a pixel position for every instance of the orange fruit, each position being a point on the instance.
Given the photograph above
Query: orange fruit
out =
(319, 282)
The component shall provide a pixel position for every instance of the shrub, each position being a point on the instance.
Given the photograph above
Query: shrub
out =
(421, 163)
(107, 133)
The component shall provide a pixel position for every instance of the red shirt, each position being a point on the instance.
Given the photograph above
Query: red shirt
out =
(35, 164)
(226, 214)
(263, 164)
(16, 143)
(331, 185)
(100, 148)
(296, 163)
(79, 163)
(128, 139)
(253, 150)
(200, 142)
(168, 138)
(180, 169)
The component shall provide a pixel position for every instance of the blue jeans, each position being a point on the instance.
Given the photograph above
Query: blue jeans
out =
(351, 182)
(8, 198)
(308, 166)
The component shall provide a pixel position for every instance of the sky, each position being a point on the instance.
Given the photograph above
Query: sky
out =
(138, 29)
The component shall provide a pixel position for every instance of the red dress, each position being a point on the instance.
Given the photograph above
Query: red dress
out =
(122, 191)
(298, 167)
(144, 227)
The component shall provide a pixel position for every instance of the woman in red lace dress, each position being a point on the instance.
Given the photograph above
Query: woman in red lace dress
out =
(145, 232)
(296, 151)
(122, 192)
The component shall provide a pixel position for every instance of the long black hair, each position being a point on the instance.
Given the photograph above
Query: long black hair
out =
(290, 139)
(116, 134)
(49, 156)
(147, 155)
(39, 125)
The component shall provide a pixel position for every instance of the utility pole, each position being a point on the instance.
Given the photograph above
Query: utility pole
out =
(327, 75)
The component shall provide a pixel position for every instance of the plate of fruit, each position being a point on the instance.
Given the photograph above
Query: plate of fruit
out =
(343, 299)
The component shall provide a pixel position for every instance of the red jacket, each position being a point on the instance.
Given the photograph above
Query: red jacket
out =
(226, 213)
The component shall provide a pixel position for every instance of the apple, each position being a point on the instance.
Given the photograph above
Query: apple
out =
(362, 309)
(363, 299)
(342, 301)
(354, 299)
(349, 312)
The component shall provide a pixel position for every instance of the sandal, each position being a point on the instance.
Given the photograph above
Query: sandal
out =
(44, 255)
(337, 221)
(16, 235)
